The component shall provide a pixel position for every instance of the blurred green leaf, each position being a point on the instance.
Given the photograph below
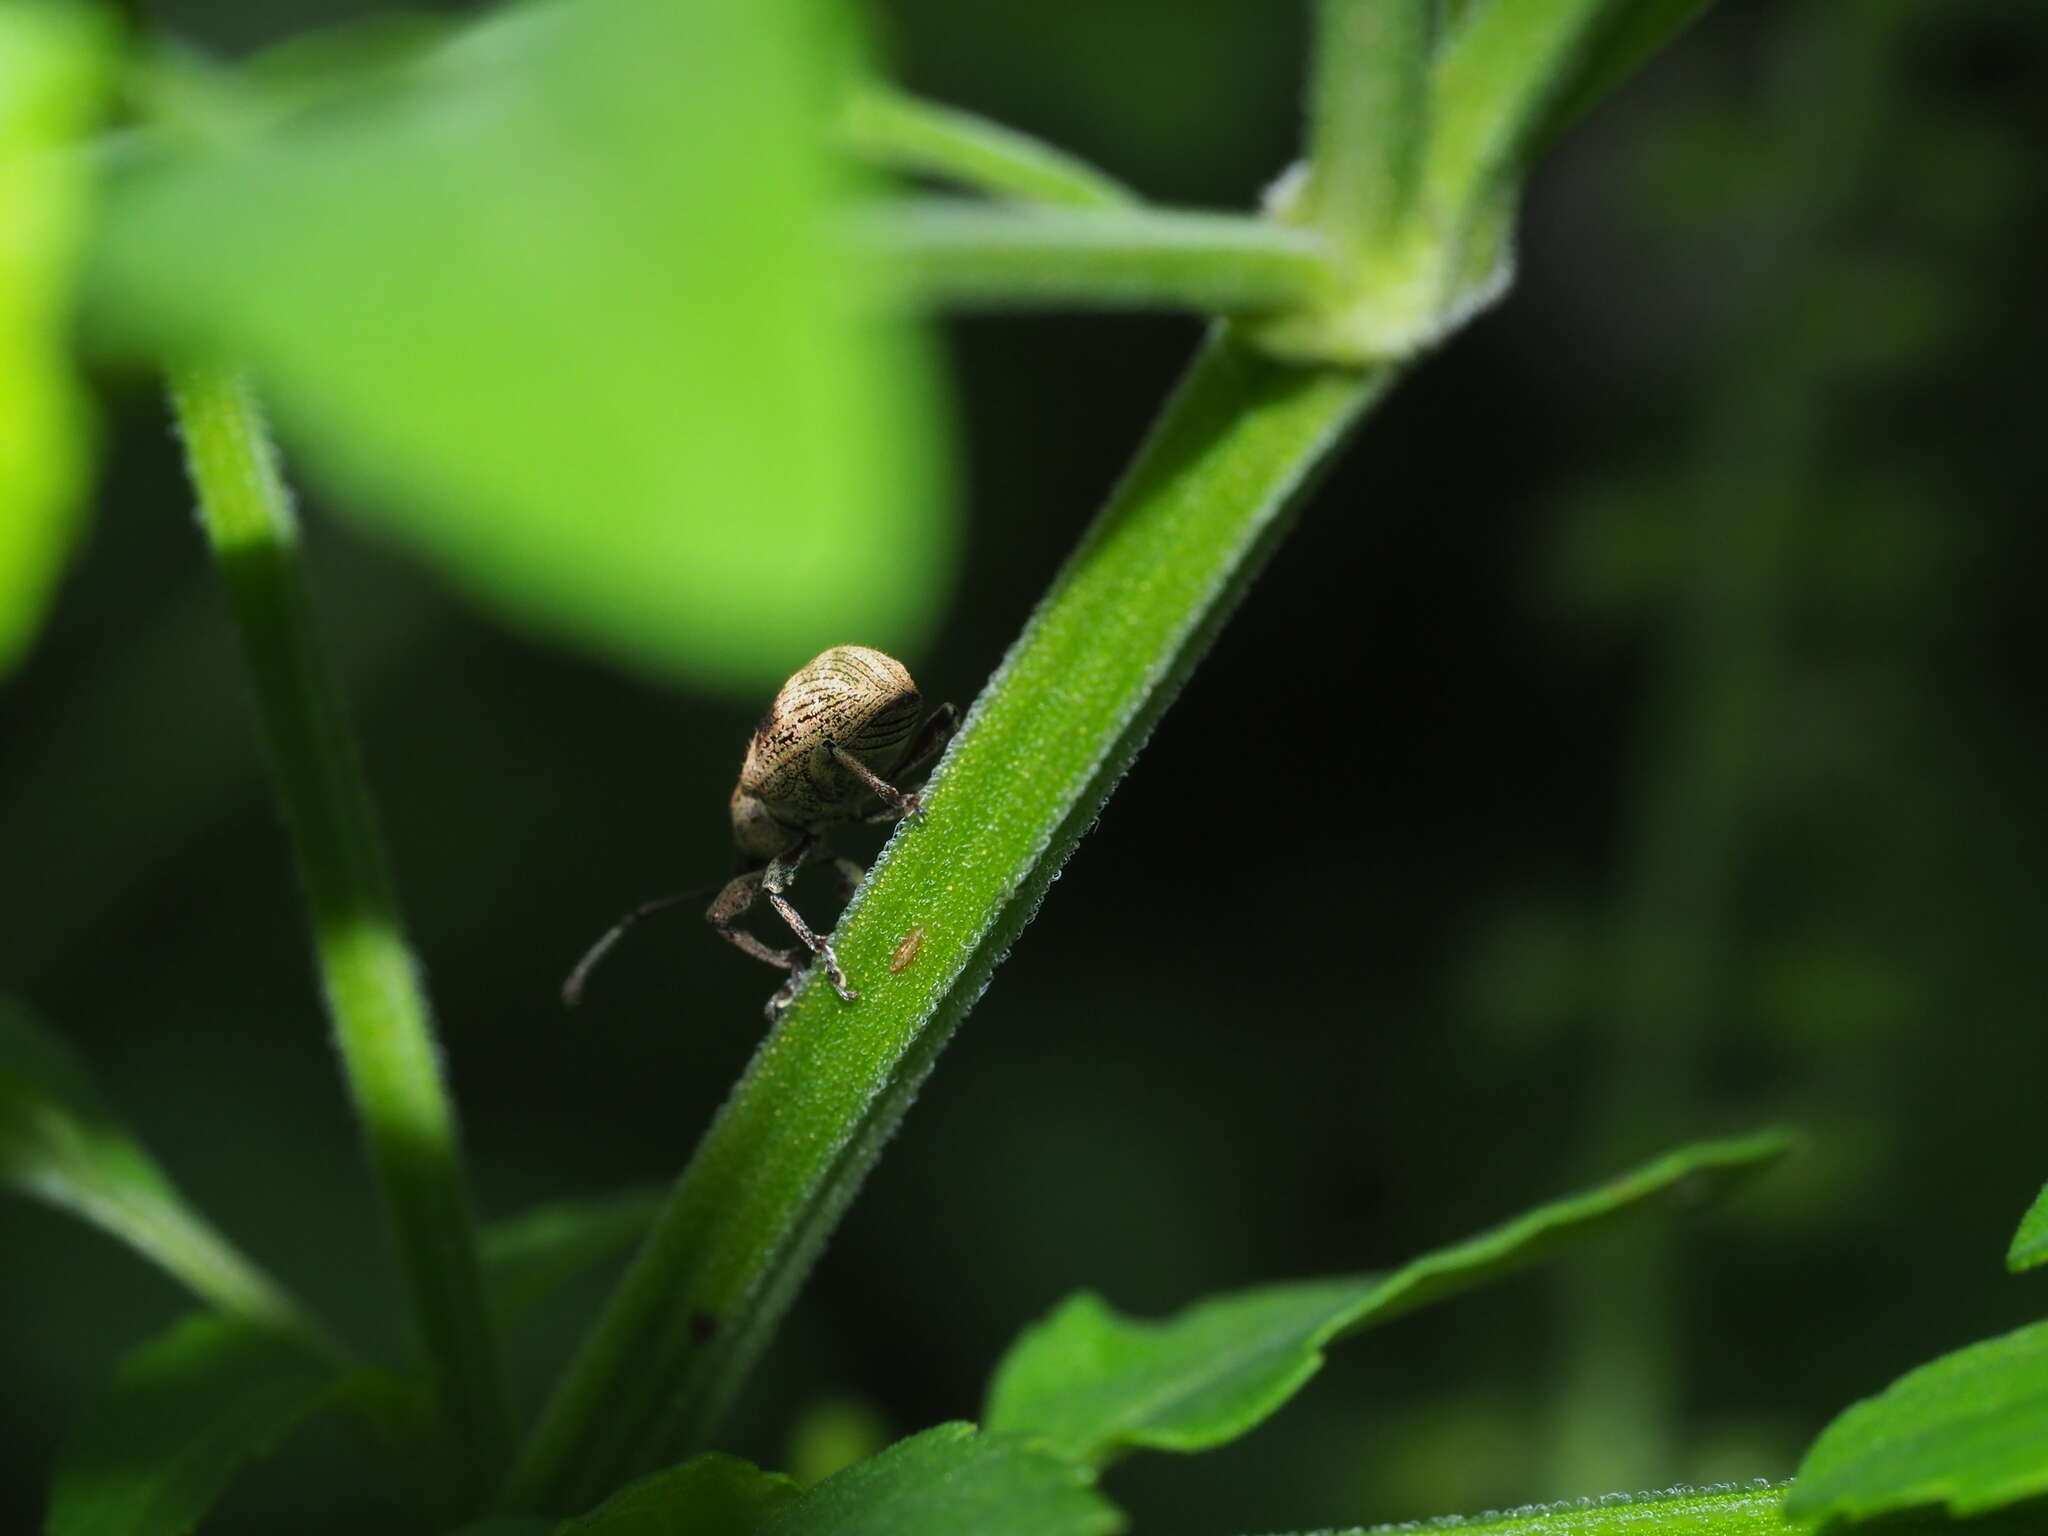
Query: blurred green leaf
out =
(182, 1414)
(53, 63)
(709, 1495)
(944, 1482)
(539, 1250)
(61, 1144)
(556, 305)
(949, 1480)
(1093, 1382)
(1968, 1431)
(2030, 1243)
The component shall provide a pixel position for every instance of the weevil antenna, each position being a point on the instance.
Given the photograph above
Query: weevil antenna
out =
(572, 989)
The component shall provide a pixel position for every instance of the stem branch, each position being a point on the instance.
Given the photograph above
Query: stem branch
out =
(380, 1014)
(971, 254)
(926, 139)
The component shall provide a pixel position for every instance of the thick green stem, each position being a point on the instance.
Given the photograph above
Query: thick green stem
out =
(1367, 117)
(926, 139)
(969, 254)
(380, 1014)
(1041, 750)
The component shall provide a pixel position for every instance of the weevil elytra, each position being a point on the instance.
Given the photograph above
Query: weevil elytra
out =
(818, 759)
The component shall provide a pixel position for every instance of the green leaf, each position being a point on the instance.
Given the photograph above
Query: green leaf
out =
(1093, 1382)
(945, 1482)
(1755, 1509)
(61, 1144)
(53, 68)
(544, 1248)
(709, 1495)
(183, 1412)
(556, 305)
(2030, 1243)
(948, 1481)
(1968, 1431)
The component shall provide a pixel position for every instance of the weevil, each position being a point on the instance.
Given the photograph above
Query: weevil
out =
(843, 727)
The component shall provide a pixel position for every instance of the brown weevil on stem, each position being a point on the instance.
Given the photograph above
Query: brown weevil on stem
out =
(818, 758)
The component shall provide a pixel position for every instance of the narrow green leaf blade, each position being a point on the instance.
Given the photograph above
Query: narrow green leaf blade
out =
(540, 1250)
(53, 68)
(560, 305)
(60, 1143)
(182, 1414)
(1093, 1382)
(950, 1480)
(1968, 1431)
(1752, 1509)
(708, 1495)
(2030, 1243)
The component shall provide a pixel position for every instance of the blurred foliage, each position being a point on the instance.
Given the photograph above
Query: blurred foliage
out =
(526, 233)
(53, 61)
(1392, 1008)
(180, 1416)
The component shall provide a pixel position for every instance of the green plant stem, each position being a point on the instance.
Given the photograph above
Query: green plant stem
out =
(923, 138)
(1367, 116)
(1050, 736)
(970, 254)
(380, 1014)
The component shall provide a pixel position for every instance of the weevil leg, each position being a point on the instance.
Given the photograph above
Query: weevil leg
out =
(775, 880)
(931, 738)
(850, 876)
(732, 904)
(896, 803)
(891, 797)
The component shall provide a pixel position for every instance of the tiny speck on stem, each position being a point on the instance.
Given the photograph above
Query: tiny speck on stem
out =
(906, 952)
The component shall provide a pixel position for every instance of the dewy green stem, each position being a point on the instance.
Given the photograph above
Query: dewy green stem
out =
(373, 991)
(1050, 736)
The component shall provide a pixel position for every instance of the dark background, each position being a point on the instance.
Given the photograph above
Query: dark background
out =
(1673, 637)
